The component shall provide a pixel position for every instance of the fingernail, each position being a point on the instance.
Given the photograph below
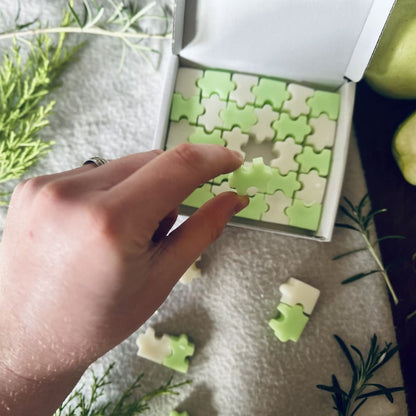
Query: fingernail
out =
(243, 201)
(238, 155)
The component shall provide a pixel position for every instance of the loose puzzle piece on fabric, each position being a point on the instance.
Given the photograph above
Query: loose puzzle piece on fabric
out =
(289, 127)
(175, 413)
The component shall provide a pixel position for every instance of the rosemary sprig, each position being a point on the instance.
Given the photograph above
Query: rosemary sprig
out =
(78, 404)
(362, 219)
(116, 19)
(363, 369)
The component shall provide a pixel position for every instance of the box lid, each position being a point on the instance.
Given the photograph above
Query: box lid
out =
(320, 42)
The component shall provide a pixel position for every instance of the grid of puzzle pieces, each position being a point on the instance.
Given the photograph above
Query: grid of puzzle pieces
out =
(240, 111)
(167, 350)
(296, 304)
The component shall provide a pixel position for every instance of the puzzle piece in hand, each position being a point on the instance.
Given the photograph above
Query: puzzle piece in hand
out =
(153, 348)
(233, 116)
(288, 184)
(262, 130)
(181, 349)
(286, 151)
(309, 159)
(193, 272)
(218, 180)
(295, 292)
(189, 108)
(313, 188)
(303, 216)
(290, 324)
(324, 102)
(175, 413)
(247, 180)
(296, 105)
(286, 126)
(199, 196)
(235, 139)
(323, 132)
(255, 209)
(186, 80)
(278, 202)
(211, 118)
(199, 135)
(270, 91)
(243, 93)
(179, 132)
(216, 82)
(223, 187)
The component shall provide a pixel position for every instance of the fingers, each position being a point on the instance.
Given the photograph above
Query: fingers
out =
(188, 241)
(167, 180)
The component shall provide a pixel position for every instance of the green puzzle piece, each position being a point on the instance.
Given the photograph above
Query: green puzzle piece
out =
(181, 349)
(199, 135)
(255, 209)
(257, 175)
(303, 216)
(270, 91)
(175, 413)
(216, 82)
(220, 179)
(182, 108)
(309, 159)
(325, 102)
(199, 196)
(288, 184)
(233, 116)
(290, 323)
(286, 126)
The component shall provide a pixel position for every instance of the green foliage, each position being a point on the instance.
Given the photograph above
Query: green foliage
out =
(363, 369)
(361, 221)
(79, 404)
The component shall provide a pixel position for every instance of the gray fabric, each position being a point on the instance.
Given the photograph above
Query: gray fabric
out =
(239, 367)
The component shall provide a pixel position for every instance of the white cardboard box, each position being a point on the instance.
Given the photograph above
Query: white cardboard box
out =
(319, 43)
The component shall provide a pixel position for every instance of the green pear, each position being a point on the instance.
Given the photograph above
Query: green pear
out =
(404, 148)
(392, 69)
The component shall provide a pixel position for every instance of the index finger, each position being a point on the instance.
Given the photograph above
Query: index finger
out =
(166, 181)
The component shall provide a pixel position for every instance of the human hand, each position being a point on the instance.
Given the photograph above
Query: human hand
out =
(86, 259)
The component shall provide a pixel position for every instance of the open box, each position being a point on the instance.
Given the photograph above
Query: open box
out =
(322, 45)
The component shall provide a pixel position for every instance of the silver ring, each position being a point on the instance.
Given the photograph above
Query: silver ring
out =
(98, 161)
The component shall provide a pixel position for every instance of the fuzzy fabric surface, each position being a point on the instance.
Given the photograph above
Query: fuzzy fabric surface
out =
(239, 367)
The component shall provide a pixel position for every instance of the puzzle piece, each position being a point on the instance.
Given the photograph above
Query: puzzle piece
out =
(296, 105)
(186, 108)
(179, 132)
(211, 118)
(270, 91)
(244, 84)
(199, 196)
(325, 102)
(286, 126)
(153, 348)
(309, 159)
(186, 80)
(216, 82)
(278, 202)
(295, 292)
(303, 216)
(323, 134)
(256, 175)
(262, 130)
(290, 324)
(220, 179)
(235, 139)
(199, 135)
(223, 187)
(175, 413)
(286, 151)
(255, 209)
(193, 272)
(233, 116)
(181, 349)
(313, 188)
(288, 184)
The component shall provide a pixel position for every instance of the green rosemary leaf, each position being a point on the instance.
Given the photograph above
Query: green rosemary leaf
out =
(347, 353)
(389, 237)
(351, 227)
(370, 216)
(349, 215)
(361, 403)
(411, 315)
(357, 250)
(364, 200)
(358, 276)
(381, 392)
(326, 388)
(75, 15)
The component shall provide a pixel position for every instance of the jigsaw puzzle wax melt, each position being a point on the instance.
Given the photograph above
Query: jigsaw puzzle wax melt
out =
(296, 123)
